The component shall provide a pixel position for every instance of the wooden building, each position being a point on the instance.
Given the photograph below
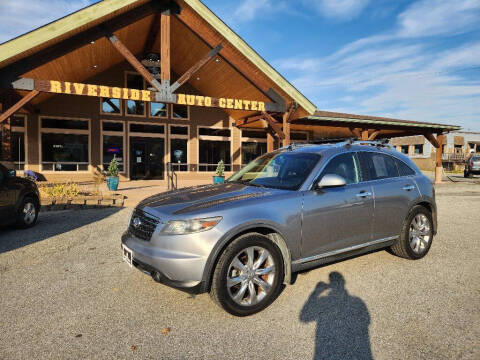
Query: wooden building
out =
(159, 84)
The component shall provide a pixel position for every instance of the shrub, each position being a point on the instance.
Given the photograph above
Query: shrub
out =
(113, 167)
(220, 168)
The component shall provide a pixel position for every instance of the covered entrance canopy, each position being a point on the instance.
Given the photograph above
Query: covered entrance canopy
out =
(187, 56)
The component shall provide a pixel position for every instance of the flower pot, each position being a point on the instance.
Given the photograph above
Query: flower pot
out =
(112, 183)
(218, 179)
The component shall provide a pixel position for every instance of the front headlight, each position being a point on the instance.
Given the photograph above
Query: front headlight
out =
(181, 227)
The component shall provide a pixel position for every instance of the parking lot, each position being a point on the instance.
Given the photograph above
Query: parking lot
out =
(65, 293)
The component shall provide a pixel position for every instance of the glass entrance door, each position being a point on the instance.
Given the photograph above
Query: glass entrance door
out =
(147, 158)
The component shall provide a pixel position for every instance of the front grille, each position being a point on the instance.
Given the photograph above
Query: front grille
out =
(144, 227)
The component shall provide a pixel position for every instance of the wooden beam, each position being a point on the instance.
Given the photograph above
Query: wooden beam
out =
(274, 124)
(373, 135)
(18, 105)
(189, 73)
(65, 87)
(165, 47)
(137, 65)
(356, 132)
(248, 120)
(430, 137)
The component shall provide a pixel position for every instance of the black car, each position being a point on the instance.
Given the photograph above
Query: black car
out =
(472, 166)
(19, 199)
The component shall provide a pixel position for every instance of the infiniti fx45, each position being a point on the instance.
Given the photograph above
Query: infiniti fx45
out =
(286, 211)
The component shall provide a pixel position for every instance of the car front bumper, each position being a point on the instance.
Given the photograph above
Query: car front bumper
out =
(175, 262)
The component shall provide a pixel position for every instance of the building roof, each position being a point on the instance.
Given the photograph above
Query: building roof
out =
(81, 20)
(362, 120)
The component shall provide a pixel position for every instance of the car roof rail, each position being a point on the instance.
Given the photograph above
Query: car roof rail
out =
(341, 142)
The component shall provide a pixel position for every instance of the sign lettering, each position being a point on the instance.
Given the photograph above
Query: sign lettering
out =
(60, 87)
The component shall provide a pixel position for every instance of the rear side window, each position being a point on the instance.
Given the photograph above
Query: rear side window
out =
(404, 169)
(378, 166)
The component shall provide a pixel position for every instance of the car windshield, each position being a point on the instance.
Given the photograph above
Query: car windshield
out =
(280, 170)
(476, 158)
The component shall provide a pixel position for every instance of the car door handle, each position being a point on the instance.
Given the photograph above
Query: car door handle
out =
(408, 187)
(364, 194)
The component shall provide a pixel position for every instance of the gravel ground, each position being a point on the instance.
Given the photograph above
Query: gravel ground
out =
(66, 294)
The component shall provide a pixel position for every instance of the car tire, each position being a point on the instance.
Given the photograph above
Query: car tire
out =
(248, 276)
(416, 236)
(27, 212)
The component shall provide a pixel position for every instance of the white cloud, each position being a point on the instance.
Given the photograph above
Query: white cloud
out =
(338, 9)
(249, 9)
(437, 17)
(20, 16)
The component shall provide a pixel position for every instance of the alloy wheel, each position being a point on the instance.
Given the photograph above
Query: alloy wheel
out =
(250, 276)
(29, 213)
(420, 233)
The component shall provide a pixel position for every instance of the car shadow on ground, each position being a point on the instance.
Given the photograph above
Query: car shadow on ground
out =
(50, 224)
(343, 321)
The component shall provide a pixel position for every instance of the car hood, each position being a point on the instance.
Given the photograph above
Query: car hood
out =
(203, 197)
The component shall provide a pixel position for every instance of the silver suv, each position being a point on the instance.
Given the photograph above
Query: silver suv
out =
(287, 211)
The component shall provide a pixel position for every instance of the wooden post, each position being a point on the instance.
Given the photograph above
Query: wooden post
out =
(6, 140)
(286, 124)
(438, 160)
(365, 135)
(165, 47)
(274, 125)
(356, 132)
(270, 142)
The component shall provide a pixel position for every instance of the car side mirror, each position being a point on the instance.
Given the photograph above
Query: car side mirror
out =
(12, 173)
(331, 180)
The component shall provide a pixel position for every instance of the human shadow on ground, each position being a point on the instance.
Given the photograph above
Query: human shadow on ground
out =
(342, 321)
(50, 224)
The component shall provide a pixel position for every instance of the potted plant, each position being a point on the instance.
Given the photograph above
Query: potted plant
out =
(112, 175)
(219, 173)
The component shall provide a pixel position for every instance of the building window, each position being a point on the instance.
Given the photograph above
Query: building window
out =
(179, 147)
(147, 128)
(214, 145)
(18, 150)
(418, 149)
(254, 144)
(458, 149)
(135, 107)
(158, 110)
(111, 106)
(64, 144)
(404, 149)
(113, 144)
(180, 112)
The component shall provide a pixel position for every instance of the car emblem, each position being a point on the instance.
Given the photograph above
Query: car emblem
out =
(136, 223)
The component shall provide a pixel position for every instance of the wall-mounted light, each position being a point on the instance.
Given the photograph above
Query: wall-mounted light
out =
(95, 66)
(217, 60)
(198, 78)
(92, 42)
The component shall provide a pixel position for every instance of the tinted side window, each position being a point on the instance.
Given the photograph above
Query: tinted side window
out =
(379, 166)
(404, 169)
(344, 165)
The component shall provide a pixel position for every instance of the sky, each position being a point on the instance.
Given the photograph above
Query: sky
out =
(407, 59)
